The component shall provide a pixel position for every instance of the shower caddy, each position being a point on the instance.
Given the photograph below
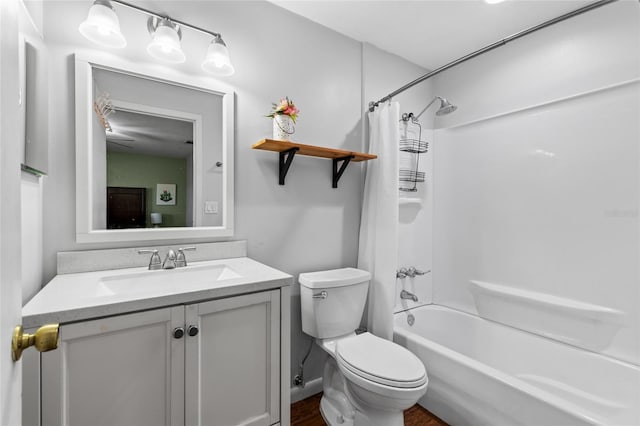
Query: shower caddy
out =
(415, 146)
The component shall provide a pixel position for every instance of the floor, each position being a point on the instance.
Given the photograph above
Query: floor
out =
(307, 413)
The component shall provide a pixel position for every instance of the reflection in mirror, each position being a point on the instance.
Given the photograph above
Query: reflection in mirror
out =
(145, 152)
(157, 162)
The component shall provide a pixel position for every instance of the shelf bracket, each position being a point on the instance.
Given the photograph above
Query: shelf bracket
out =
(286, 157)
(337, 173)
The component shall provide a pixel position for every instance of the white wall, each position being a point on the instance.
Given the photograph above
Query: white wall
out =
(537, 177)
(383, 73)
(31, 234)
(99, 167)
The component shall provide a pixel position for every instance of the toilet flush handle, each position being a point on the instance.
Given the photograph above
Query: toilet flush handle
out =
(322, 295)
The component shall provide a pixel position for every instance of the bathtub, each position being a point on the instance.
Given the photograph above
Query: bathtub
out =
(484, 373)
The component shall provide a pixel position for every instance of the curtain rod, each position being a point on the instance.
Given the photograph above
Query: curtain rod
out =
(587, 8)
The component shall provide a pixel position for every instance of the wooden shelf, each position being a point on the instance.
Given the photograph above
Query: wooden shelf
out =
(288, 149)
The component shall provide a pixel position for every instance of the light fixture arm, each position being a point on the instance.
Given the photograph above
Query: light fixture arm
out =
(427, 107)
(153, 22)
(157, 15)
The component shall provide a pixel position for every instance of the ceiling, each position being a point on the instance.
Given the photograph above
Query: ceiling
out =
(147, 134)
(429, 33)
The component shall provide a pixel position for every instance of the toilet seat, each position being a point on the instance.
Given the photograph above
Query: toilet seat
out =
(380, 361)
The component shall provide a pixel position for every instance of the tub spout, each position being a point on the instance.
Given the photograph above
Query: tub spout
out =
(404, 294)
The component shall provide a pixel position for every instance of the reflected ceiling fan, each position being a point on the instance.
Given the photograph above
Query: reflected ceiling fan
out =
(118, 139)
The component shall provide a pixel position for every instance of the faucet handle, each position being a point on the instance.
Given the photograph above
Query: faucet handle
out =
(402, 273)
(181, 259)
(154, 262)
(412, 272)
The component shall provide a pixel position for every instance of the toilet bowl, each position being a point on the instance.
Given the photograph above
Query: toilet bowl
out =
(367, 380)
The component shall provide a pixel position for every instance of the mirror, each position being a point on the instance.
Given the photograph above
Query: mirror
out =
(154, 154)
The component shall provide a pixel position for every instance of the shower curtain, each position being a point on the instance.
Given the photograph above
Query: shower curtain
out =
(378, 250)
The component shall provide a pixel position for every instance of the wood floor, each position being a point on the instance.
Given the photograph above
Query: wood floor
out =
(307, 413)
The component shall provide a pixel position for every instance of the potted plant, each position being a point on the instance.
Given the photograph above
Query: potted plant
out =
(284, 116)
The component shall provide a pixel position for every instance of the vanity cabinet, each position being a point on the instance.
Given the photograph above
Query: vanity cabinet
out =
(215, 362)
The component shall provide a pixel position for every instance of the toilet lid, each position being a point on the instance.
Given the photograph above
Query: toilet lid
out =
(381, 361)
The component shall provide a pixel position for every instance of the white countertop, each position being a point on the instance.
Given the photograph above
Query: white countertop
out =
(82, 296)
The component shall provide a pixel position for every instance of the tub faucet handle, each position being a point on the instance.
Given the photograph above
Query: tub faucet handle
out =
(412, 272)
(402, 273)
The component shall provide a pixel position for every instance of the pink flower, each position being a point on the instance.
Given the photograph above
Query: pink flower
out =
(284, 107)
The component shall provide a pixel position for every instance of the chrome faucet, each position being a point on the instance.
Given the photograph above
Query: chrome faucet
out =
(181, 259)
(409, 272)
(169, 260)
(154, 262)
(412, 272)
(404, 294)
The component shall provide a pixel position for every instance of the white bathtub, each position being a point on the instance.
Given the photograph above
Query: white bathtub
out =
(484, 373)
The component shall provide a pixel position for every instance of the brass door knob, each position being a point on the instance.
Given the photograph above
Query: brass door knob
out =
(44, 339)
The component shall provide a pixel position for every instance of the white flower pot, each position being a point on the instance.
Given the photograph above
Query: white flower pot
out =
(283, 127)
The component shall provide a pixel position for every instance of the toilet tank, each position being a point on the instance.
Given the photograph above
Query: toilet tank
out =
(332, 302)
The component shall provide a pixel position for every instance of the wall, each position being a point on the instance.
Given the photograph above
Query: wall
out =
(99, 167)
(303, 226)
(31, 234)
(146, 171)
(32, 127)
(383, 73)
(537, 181)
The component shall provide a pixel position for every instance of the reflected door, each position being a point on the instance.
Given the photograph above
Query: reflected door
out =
(126, 208)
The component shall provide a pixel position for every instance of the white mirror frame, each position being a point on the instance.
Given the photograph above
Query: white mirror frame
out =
(85, 233)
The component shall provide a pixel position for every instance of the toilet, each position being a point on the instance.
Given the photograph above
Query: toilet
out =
(367, 380)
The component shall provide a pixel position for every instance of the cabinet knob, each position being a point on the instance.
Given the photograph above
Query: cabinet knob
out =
(192, 330)
(178, 332)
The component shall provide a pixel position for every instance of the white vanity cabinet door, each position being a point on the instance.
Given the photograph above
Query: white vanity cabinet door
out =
(117, 371)
(232, 366)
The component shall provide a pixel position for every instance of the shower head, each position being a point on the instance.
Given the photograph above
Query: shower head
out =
(446, 107)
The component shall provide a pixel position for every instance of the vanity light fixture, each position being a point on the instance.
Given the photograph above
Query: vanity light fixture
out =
(102, 27)
(217, 60)
(165, 45)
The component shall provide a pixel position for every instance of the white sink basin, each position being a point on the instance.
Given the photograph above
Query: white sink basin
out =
(85, 295)
(186, 278)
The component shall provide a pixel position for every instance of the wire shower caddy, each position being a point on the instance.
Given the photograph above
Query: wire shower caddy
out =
(410, 174)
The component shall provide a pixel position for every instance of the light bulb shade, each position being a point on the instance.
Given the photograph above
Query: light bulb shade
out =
(165, 45)
(156, 218)
(102, 26)
(217, 60)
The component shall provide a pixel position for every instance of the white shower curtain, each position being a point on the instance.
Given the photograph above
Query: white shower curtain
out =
(378, 251)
